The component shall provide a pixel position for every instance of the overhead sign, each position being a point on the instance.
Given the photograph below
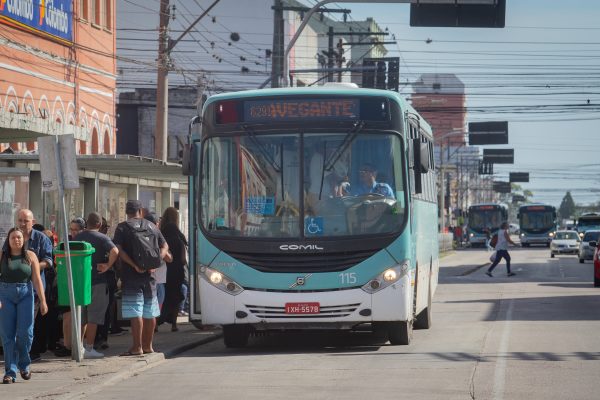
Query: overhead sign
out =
(499, 156)
(518, 177)
(518, 198)
(459, 13)
(50, 17)
(491, 132)
(294, 110)
(501, 187)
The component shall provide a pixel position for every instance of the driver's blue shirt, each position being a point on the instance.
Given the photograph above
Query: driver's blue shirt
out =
(379, 188)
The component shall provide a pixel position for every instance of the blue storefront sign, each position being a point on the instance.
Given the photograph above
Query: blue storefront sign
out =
(53, 17)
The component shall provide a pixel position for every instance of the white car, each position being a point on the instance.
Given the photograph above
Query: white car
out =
(564, 242)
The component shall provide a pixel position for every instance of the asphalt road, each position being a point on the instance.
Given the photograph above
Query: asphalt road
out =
(532, 336)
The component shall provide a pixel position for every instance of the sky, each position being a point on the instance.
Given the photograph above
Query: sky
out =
(541, 72)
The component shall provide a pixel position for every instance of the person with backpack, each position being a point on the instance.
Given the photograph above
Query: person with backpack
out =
(141, 248)
(501, 245)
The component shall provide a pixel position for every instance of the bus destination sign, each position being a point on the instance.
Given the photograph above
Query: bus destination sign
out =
(282, 110)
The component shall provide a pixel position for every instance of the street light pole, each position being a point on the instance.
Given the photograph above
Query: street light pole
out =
(442, 191)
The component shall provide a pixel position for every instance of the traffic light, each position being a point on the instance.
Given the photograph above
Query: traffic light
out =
(368, 76)
(393, 75)
(380, 76)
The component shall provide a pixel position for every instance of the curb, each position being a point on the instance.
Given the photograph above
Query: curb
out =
(147, 362)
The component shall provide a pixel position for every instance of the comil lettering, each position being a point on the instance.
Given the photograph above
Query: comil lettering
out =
(21, 8)
(287, 247)
(56, 18)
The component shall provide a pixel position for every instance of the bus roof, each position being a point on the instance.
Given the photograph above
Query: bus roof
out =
(320, 90)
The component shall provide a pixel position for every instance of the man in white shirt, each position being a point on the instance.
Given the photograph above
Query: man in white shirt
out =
(502, 250)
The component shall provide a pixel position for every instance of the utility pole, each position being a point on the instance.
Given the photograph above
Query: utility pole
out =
(162, 84)
(330, 53)
(165, 46)
(340, 58)
(278, 48)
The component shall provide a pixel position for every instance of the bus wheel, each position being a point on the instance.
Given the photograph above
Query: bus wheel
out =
(400, 332)
(423, 320)
(235, 336)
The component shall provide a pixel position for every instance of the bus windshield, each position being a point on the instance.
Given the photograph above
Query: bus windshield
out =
(537, 220)
(584, 222)
(479, 220)
(302, 185)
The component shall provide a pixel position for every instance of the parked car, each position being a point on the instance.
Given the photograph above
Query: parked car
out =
(564, 242)
(596, 264)
(586, 252)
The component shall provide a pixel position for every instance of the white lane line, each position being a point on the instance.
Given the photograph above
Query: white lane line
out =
(500, 371)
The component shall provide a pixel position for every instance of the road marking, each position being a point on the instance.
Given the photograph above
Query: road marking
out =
(500, 371)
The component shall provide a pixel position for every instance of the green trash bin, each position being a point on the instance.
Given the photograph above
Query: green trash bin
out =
(81, 265)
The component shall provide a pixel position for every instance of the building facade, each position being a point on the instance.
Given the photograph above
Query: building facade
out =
(58, 73)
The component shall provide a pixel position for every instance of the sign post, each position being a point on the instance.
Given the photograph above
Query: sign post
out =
(58, 167)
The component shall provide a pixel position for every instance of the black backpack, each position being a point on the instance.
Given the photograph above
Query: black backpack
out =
(144, 245)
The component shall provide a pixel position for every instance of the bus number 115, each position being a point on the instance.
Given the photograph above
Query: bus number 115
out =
(348, 278)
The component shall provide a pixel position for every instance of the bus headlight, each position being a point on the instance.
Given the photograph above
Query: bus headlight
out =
(522, 235)
(581, 235)
(220, 281)
(386, 278)
(551, 234)
(471, 234)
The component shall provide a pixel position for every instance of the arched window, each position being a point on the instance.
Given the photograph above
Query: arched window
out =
(95, 141)
(107, 146)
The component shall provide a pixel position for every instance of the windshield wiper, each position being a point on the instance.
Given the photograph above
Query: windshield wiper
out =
(262, 149)
(341, 149)
(268, 157)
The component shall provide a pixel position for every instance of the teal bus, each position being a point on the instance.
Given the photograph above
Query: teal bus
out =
(312, 208)
(484, 217)
(537, 223)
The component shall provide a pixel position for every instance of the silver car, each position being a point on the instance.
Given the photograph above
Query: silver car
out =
(564, 242)
(585, 251)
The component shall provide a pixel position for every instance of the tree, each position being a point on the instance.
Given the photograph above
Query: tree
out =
(567, 207)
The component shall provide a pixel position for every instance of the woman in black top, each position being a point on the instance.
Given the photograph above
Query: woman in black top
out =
(19, 272)
(177, 270)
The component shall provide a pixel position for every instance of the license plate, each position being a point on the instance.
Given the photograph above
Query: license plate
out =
(302, 308)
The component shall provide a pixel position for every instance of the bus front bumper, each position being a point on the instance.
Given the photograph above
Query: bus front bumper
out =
(339, 309)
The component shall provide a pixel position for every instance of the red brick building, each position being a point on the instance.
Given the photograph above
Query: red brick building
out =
(58, 73)
(440, 99)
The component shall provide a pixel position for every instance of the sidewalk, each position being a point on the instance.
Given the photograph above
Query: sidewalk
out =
(63, 378)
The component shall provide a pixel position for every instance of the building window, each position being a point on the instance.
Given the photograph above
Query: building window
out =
(84, 10)
(96, 11)
(108, 14)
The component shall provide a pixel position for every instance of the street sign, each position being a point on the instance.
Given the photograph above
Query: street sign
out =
(461, 14)
(518, 177)
(50, 151)
(499, 156)
(491, 132)
(58, 167)
(486, 168)
(501, 187)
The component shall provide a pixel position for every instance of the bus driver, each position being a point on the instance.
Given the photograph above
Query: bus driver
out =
(368, 183)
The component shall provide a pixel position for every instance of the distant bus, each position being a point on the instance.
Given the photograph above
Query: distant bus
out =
(537, 223)
(587, 222)
(287, 229)
(482, 217)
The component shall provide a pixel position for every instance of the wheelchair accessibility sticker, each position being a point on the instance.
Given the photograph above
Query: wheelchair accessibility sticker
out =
(313, 226)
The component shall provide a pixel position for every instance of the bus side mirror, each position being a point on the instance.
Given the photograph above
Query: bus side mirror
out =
(416, 147)
(186, 160)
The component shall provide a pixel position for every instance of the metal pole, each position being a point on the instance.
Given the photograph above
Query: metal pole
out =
(75, 310)
(162, 84)
(330, 54)
(278, 37)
